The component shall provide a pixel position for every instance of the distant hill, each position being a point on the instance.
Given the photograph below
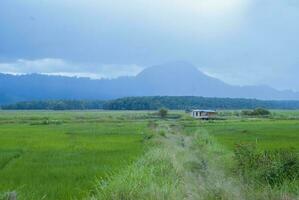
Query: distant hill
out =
(191, 102)
(171, 79)
(153, 103)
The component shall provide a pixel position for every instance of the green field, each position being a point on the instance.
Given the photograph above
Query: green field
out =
(267, 134)
(60, 155)
(135, 155)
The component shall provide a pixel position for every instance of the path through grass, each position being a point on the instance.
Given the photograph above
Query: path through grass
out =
(185, 161)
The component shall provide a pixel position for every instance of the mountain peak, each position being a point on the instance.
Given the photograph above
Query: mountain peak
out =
(172, 79)
(175, 65)
(171, 69)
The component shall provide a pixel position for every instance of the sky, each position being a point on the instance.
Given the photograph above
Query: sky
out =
(242, 42)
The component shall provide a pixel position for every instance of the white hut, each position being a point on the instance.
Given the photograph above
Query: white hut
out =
(203, 114)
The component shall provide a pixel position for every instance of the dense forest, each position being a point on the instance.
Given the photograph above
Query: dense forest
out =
(153, 103)
(55, 105)
(189, 102)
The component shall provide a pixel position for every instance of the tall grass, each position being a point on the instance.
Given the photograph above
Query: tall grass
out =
(181, 165)
(8, 196)
(173, 168)
(278, 169)
(157, 175)
(182, 158)
(252, 173)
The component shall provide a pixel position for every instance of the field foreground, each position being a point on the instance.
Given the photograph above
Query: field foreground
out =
(61, 155)
(136, 155)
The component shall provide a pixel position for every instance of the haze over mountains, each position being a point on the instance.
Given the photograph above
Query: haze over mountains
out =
(171, 79)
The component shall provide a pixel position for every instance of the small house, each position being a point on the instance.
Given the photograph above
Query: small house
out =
(203, 114)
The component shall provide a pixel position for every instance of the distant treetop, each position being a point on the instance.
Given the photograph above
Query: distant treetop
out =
(155, 103)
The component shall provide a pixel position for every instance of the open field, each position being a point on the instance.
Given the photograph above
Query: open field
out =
(58, 155)
(267, 134)
(280, 130)
(136, 155)
(187, 162)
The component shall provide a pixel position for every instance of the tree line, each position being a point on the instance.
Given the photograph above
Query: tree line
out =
(153, 103)
(191, 102)
(55, 105)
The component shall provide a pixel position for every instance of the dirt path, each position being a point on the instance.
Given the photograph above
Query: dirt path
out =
(201, 161)
(175, 167)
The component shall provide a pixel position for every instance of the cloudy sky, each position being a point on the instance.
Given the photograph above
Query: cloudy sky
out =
(239, 41)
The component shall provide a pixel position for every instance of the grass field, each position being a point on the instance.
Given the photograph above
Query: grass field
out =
(136, 155)
(60, 155)
(267, 134)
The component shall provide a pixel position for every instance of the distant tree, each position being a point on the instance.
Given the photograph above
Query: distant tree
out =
(260, 111)
(155, 103)
(163, 112)
(256, 112)
(56, 105)
(185, 103)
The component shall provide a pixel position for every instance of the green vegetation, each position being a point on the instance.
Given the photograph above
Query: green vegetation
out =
(184, 103)
(256, 112)
(139, 155)
(41, 158)
(174, 168)
(153, 103)
(188, 162)
(267, 134)
(55, 105)
(163, 112)
(270, 167)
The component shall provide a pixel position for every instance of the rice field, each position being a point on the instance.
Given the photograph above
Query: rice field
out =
(135, 155)
(61, 155)
(266, 134)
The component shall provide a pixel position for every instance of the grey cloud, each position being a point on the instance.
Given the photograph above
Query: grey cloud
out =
(239, 41)
(54, 66)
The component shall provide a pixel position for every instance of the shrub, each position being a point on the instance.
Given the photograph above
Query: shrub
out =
(162, 133)
(271, 167)
(260, 111)
(245, 155)
(279, 166)
(163, 112)
(256, 112)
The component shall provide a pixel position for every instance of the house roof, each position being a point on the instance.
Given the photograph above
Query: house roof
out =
(207, 111)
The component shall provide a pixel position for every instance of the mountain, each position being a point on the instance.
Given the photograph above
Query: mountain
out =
(171, 79)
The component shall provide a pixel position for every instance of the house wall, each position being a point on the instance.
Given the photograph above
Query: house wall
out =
(202, 115)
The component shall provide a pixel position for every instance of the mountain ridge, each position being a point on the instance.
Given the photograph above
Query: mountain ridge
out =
(170, 79)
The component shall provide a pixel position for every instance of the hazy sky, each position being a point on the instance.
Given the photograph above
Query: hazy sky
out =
(239, 41)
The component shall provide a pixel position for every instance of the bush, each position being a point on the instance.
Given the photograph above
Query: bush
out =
(260, 111)
(271, 167)
(163, 112)
(162, 133)
(256, 112)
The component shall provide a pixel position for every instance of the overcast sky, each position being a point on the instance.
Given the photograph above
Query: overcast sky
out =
(239, 41)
